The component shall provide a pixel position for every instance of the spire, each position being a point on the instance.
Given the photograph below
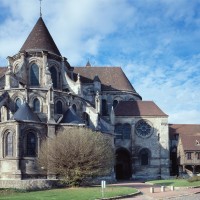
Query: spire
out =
(40, 39)
(40, 8)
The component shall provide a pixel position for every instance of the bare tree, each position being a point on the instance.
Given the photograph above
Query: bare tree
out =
(76, 154)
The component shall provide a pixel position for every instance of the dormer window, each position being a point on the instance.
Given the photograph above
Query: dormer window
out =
(34, 75)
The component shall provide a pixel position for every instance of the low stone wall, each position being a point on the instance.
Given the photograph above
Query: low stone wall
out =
(30, 184)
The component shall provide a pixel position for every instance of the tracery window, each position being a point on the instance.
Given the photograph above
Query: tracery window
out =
(123, 131)
(18, 103)
(119, 131)
(36, 105)
(54, 76)
(59, 107)
(34, 75)
(143, 128)
(144, 157)
(126, 131)
(9, 144)
(31, 144)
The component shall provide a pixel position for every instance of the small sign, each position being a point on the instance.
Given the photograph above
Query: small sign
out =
(103, 184)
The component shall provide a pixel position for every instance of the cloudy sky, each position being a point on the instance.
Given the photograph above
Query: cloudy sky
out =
(156, 42)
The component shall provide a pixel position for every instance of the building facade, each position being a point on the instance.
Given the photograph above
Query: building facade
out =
(41, 92)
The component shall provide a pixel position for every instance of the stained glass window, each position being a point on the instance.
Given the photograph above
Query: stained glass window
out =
(144, 157)
(36, 105)
(54, 76)
(59, 107)
(9, 144)
(18, 103)
(34, 75)
(31, 144)
(126, 131)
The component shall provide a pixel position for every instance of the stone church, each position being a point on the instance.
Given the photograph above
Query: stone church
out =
(41, 92)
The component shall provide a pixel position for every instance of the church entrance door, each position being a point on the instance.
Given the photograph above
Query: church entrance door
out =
(123, 164)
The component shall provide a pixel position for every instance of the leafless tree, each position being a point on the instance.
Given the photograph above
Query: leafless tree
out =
(76, 154)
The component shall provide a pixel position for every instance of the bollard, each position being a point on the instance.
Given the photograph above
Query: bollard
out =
(162, 188)
(172, 188)
(151, 189)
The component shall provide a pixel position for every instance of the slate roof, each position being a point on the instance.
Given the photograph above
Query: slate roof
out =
(40, 39)
(24, 113)
(138, 108)
(190, 142)
(112, 78)
(70, 117)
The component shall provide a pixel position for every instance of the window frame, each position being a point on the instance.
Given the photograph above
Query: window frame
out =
(31, 147)
(9, 144)
(54, 76)
(144, 152)
(34, 75)
(36, 107)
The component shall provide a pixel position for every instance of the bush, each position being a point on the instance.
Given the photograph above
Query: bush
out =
(77, 154)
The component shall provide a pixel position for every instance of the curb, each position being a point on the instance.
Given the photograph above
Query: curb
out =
(120, 197)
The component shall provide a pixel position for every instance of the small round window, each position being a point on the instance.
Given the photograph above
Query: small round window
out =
(143, 128)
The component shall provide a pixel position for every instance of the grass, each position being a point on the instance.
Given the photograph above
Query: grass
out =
(175, 183)
(89, 193)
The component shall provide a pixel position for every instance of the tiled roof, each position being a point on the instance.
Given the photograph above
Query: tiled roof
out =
(24, 113)
(112, 78)
(190, 142)
(138, 108)
(188, 129)
(40, 39)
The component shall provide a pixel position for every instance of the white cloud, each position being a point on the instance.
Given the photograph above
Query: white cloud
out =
(156, 43)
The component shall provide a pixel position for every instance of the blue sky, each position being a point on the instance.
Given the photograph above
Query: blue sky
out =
(156, 42)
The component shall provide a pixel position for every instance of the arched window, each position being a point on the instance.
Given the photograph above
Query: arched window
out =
(74, 107)
(119, 131)
(86, 119)
(144, 157)
(126, 131)
(9, 144)
(31, 144)
(59, 107)
(34, 75)
(36, 105)
(18, 103)
(54, 76)
(104, 107)
(115, 102)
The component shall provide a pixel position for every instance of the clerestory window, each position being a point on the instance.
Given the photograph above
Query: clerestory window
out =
(34, 75)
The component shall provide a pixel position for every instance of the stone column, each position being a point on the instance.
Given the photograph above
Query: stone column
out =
(17, 152)
(51, 134)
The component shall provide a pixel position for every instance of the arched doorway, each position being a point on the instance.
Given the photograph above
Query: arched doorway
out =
(123, 164)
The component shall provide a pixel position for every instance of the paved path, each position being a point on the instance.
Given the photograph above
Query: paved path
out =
(182, 193)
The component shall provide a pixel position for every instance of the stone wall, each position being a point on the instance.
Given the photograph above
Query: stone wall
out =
(31, 184)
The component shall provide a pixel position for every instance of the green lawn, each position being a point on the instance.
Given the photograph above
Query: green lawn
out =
(175, 183)
(90, 193)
